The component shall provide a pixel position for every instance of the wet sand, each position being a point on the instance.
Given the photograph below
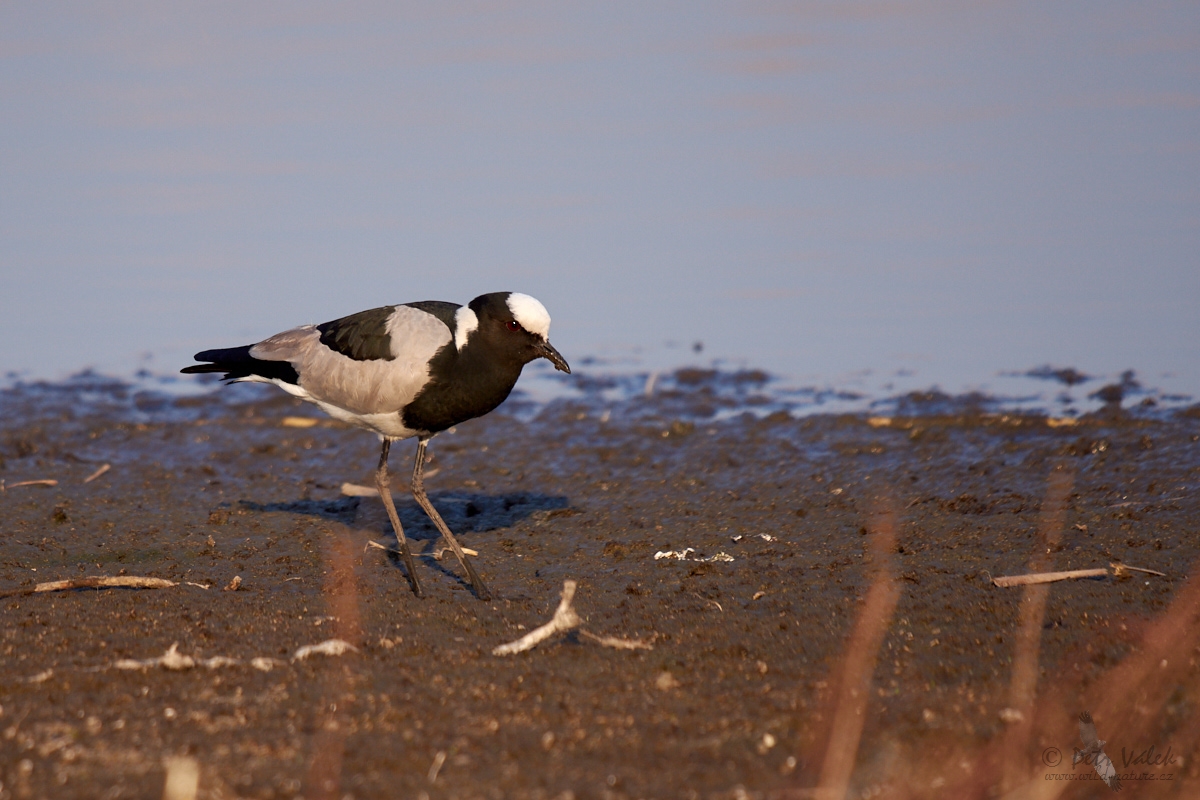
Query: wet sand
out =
(756, 634)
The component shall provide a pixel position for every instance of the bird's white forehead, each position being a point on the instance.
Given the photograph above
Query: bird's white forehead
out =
(532, 315)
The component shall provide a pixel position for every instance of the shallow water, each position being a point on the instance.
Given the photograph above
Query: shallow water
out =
(695, 394)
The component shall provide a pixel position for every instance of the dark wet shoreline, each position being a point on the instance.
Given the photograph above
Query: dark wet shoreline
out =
(207, 487)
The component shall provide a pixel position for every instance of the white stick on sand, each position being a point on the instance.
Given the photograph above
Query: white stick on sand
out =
(566, 619)
(1048, 577)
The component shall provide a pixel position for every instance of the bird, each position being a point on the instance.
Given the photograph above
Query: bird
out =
(1093, 752)
(403, 371)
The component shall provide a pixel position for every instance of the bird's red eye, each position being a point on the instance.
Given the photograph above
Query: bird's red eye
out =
(513, 325)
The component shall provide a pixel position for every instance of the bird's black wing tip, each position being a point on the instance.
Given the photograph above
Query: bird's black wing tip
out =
(238, 364)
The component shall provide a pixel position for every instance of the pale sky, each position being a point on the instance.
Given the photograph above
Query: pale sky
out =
(814, 189)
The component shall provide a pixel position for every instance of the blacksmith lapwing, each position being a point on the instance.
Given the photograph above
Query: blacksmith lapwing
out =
(402, 371)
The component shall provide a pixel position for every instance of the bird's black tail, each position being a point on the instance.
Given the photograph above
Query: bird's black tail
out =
(237, 363)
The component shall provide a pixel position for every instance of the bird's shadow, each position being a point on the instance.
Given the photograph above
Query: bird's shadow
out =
(464, 512)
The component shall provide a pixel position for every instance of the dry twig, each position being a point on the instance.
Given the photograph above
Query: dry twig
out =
(103, 582)
(172, 659)
(1120, 570)
(565, 619)
(620, 644)
(329, 647)
(436, 766)
(1033, 578)
(686, 555)
(39, 482)
(436, 554)
(97, 473)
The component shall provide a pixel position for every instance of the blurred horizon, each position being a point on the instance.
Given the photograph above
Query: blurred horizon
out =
(925, 193)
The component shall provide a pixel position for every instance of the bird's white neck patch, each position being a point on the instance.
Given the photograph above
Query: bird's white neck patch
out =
(530, 313)
(465, 322)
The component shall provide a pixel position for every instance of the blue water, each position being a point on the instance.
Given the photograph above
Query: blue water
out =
(856, 198)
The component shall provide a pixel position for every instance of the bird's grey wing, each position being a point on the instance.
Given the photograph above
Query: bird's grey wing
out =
(440, 309)
(1106, 770)
(1087, 730)
(345, 363)
(292, 345)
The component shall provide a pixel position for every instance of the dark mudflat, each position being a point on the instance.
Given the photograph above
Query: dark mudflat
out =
(735, 699)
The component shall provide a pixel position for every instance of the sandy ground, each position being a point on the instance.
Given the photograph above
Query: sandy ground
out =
(834, 622)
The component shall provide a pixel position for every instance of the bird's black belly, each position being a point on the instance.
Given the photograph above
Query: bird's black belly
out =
(441, 405)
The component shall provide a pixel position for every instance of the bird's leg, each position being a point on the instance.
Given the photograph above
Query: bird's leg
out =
(385, 493)
(418, 490)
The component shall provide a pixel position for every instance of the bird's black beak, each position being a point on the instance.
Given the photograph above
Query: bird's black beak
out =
(547, 351)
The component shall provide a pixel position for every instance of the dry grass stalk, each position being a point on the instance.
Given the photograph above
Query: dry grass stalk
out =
(1022, 687)
(1128, 702)
(323, 774)
(323, 778)
(183, 778)
(1130, 697)
(858, 663)
(341, 589)
(1132, 703)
